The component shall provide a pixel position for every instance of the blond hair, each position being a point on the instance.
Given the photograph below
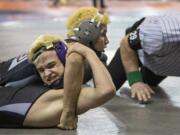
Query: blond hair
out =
(47, 40)
(82, 14)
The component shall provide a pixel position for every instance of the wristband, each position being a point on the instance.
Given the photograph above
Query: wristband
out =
(134, 76)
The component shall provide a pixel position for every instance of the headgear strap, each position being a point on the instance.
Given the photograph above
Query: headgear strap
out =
(60, 48)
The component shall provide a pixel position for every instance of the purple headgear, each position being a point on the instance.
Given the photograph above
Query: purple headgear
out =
(61, 50)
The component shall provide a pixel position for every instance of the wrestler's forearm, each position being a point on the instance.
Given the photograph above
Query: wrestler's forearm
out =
(101, 76)
(72, 85)
(104, 88)
(72, 82)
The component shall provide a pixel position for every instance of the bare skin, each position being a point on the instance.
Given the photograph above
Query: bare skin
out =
(102, 41)
(47, 110)
(139, 90)
(74, 67)
(51, 69)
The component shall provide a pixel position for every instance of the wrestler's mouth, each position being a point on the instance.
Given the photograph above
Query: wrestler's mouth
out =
(52, 79)
(56, 83)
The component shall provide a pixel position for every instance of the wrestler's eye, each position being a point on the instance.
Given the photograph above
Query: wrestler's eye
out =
(40, 70)
(103, 34)
(50, 65)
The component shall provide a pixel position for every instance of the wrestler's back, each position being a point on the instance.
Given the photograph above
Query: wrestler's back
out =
(46, 111)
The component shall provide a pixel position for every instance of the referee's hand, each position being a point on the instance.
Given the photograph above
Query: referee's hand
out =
(141, 91)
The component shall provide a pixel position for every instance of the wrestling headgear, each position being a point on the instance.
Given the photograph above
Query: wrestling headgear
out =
(84, 25)
(47, 42)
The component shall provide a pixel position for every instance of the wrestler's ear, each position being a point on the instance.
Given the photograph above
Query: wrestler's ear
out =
(35, 71)
(38, 77)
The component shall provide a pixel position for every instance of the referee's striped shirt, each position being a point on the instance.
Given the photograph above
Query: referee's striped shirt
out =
(160, 41)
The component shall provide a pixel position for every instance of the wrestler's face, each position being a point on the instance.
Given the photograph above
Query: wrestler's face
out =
(49, 67)
(102, 41)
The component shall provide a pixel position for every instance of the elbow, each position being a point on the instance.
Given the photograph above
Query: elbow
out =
(108, 93)
(75, 59)
(111, 92)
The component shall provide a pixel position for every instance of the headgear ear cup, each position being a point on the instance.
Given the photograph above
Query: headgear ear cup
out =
(61, 50)
(87, 32)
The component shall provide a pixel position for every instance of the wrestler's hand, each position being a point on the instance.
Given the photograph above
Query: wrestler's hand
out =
(68, 121)
(79, 48)
(141, 91)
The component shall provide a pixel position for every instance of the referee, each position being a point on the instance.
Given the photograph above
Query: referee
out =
(148, 53)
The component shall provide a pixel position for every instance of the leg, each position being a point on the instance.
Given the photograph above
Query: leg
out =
(94, 3)
(55, 2)
(16, 69)
(151, 78)
(116, 70)
(102, 4)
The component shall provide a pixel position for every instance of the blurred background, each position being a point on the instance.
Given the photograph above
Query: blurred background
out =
(23, 20)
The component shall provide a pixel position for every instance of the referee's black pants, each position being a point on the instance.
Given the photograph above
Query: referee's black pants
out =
(118, 73)
(102, 3)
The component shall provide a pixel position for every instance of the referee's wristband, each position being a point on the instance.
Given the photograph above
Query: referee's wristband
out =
(134, 76)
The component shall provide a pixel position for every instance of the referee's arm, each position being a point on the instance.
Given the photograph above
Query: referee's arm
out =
(129, 58)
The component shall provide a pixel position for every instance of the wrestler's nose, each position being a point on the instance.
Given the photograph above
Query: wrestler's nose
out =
(47, 72)
(106, 40)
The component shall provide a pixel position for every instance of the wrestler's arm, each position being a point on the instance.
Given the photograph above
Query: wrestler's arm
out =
(104, 87)
(47, 110)
(72, 84)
